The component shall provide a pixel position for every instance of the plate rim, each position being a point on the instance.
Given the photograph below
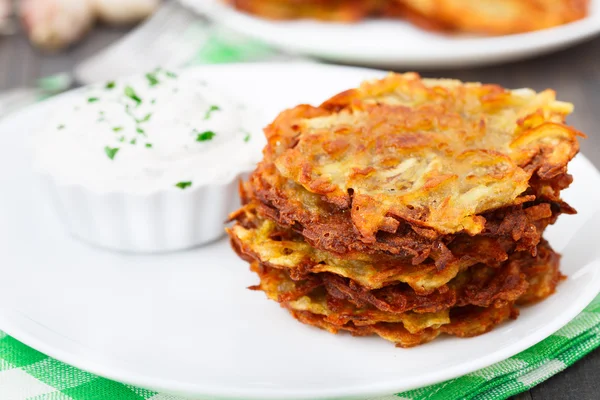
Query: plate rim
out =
(13, 322)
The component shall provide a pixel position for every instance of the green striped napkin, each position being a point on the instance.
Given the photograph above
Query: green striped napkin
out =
(28, 374)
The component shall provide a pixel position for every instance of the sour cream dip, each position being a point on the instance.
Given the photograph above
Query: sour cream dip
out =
(153, 132)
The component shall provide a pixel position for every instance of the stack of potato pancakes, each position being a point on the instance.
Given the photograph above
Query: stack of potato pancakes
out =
(409, 207)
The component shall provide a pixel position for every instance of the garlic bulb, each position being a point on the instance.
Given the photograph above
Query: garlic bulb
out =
(5, 13)
(121, 12)
(55, 24)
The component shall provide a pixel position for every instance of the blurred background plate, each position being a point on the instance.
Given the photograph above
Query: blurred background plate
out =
(397, 44)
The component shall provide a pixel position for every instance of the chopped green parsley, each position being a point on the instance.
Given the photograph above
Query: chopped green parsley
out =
(93, 99)
(122, 139)
(183, 185)
(133, 141)
(111, 152)
(210, 111)
(149, 145)
(140, 131)
(129, 92)
(145, 119)
(110, 85)
(247, 137)
(204, 136)
(61, 126)
(171, 74)
(152, 79)
(118, 128)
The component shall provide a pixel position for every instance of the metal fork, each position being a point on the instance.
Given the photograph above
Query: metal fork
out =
(169, 38)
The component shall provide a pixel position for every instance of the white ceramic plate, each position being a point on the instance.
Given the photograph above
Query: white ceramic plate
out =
(397, 44)
(184, 323)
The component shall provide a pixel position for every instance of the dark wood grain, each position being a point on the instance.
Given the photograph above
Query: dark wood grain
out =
(574, 73)
(581, 381)
(21, 65)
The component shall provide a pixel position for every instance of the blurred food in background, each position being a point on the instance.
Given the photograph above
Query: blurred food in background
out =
(6, 25)
(492, 17)
(55, 24)
(124, 12)
(326, 10)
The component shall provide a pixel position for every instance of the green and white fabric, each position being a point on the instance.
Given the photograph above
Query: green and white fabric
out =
(28, 374)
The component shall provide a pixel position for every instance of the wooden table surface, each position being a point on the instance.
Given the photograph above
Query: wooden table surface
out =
(573, 73)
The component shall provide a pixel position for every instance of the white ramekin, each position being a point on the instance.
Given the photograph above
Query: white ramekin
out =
(136, 206)
(160, 221)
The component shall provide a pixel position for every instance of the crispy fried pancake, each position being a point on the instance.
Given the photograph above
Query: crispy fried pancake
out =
(306, 296)
(332, 230)
(473, 303)
(435, 154)
(263, 241)
(469, 322)
(326, 10)
(494, 17)
(405, 329)
(522, 277)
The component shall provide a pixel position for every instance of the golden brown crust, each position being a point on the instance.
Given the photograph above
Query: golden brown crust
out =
(468, 322)
(543, 276)
(395, 333)
(435, 154)
(522, 277)
(325, 10)
(255, 239)
(494, 17)
(327, 229)
(473, 304)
